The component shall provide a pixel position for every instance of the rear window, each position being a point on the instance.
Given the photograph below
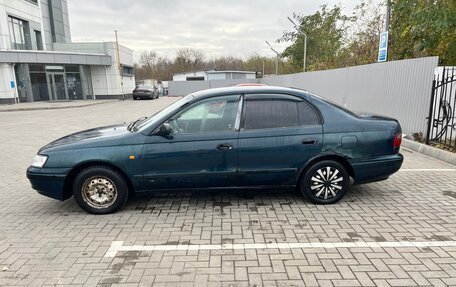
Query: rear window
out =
(337, 106)
(278, 113)
(144, 87)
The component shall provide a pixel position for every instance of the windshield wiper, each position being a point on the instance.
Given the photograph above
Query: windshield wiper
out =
(132, 124)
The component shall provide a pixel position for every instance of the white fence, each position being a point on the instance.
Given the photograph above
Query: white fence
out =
(182, 88)
(400, 89)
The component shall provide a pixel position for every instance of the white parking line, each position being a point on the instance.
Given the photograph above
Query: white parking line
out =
(117, 246)
(427, 169)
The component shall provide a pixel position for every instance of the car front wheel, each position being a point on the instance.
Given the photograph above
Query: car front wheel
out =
(100, 190)
(325, 182)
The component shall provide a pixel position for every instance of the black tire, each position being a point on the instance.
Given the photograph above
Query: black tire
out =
(320, 189)
(135, 98)
(100, 190)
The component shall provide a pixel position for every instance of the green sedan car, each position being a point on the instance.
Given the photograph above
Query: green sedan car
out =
(242, 137)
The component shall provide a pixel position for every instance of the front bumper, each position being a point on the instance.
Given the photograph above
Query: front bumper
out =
(48, 181)
(378, 168)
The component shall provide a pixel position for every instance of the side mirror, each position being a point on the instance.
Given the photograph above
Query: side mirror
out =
(165, 129)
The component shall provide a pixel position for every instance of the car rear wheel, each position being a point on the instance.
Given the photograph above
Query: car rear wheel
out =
(325, 182)
(100, 190)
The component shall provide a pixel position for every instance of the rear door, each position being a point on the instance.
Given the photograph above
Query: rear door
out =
(279, 134)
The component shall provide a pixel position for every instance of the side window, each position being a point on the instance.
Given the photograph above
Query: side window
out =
(211, 115)
(278, 113)
(308, 116)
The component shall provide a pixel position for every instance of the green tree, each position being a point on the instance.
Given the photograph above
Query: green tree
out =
(421, 28)
(325, 31)
(363, 35)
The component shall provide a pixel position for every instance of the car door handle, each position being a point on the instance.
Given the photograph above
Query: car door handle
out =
(224, 147)
(309, 141)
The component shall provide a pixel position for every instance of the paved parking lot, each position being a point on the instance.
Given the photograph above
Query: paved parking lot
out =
(400, 232)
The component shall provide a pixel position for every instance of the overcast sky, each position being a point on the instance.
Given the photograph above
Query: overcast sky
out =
(236, 27)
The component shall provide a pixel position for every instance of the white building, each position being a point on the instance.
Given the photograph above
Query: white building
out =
(214, 75)
(38, 61)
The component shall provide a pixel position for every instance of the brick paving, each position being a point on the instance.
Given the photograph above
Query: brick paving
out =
(44, 242)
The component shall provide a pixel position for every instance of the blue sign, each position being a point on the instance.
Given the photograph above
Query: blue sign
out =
(12, 84)
(383, 47)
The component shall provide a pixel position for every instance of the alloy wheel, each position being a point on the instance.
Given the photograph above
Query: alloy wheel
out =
(326, 182)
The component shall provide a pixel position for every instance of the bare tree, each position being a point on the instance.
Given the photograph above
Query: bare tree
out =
(189, 60)
(153, 66)
(148, 61)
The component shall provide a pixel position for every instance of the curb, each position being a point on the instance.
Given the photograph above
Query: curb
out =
(434, 152)
(57, 108)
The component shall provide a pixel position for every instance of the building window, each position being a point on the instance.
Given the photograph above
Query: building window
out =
(195, 78)
(32, 1)
(39, 40)
(128, 71)
(19, 35)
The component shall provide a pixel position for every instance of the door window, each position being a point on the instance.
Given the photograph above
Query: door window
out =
(211, 115)
(278, 113)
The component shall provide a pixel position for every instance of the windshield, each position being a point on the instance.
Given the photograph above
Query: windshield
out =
(164, 112)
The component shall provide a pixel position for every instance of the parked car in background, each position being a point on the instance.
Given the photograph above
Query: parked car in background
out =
(243, 137)
(160, 90)
(142, 92)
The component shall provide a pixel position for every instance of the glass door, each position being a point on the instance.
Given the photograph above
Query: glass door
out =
(60, 87)
(57, 87)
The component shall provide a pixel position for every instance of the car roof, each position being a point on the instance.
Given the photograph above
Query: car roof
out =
(247, 89)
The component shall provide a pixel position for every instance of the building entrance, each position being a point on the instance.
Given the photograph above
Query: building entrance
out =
(57, 86)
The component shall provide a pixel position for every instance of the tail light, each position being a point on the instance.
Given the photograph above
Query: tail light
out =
(397, 140)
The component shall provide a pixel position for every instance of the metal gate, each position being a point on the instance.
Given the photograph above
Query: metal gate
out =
(441, 128)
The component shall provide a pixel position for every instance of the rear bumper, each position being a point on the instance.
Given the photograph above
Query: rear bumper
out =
(376, 169)
(143, 95)
(48, 181)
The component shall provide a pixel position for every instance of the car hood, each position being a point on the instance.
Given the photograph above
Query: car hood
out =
(97, 137)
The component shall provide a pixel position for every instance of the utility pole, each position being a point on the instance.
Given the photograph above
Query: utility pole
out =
(384, 36)
(387, 18)
(298, 29)
(277, 57)
(262, 75)
(119, 66)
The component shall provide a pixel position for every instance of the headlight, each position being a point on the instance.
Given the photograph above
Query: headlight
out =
(39, 160)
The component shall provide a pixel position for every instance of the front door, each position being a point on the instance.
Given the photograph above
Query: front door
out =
(57, 87)
(200, 152)
(279, 134)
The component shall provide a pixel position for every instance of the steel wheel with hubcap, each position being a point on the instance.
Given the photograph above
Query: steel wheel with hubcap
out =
(100, 190)
(325, 182)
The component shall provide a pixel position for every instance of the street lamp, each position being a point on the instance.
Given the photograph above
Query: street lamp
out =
(305, 42)
(262, 75)
(277, 57)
